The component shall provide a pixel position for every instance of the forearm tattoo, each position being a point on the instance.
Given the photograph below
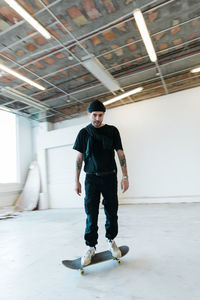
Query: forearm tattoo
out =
(78, 165)
(122, 161)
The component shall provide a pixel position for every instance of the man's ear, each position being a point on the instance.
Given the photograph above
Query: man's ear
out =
(89, 114)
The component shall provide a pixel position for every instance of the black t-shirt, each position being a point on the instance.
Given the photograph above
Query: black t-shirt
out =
(101, 160)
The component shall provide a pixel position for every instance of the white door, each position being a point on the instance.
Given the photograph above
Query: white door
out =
(61, 162)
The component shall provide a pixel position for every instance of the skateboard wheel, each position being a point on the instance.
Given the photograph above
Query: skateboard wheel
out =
(82, 271)
(119, 261)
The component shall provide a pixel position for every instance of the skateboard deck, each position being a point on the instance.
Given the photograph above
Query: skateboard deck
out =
(75, 264)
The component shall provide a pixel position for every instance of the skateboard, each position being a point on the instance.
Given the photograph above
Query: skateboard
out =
(75, 264)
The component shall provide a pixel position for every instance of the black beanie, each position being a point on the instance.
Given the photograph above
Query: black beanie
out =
(96, 105)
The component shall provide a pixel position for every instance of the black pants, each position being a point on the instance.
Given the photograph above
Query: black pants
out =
(94, 186)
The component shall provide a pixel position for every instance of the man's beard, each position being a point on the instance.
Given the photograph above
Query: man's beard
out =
(97, 124)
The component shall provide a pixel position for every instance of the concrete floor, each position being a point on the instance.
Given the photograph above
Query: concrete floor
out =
(163, 262)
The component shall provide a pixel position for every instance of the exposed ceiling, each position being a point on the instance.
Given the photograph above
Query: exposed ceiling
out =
(106, 29)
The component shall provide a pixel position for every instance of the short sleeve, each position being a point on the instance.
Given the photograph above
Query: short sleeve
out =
(117, 140)
(79, 142)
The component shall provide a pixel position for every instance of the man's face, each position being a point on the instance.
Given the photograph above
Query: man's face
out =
(96, 118)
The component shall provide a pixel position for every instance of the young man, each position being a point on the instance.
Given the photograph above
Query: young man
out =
(95, 145)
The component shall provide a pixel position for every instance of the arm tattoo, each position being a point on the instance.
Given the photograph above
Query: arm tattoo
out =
(122, 161)
(78, 165)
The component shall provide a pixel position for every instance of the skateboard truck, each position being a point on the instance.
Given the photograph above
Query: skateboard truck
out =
(82, 271)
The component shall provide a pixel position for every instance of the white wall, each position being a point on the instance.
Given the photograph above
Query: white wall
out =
(161, 141)
(9, 192)
(25, 140)
(50, 141)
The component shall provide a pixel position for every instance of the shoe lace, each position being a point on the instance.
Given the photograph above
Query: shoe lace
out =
(89, 252)
(113, 246)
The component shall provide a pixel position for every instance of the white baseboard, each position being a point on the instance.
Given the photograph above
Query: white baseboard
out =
(154, 200)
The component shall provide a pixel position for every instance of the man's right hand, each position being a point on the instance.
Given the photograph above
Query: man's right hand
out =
(78, 188)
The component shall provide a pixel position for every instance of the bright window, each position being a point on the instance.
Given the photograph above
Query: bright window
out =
(8, 149)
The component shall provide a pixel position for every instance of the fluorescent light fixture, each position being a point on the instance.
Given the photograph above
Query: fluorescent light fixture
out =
(196, 70)
(145, 34)
(92, 64)
(117, 98)
(23, 78)
(18, 96)
(24, 14)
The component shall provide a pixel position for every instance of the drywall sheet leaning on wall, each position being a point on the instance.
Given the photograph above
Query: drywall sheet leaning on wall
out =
(30, 195)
